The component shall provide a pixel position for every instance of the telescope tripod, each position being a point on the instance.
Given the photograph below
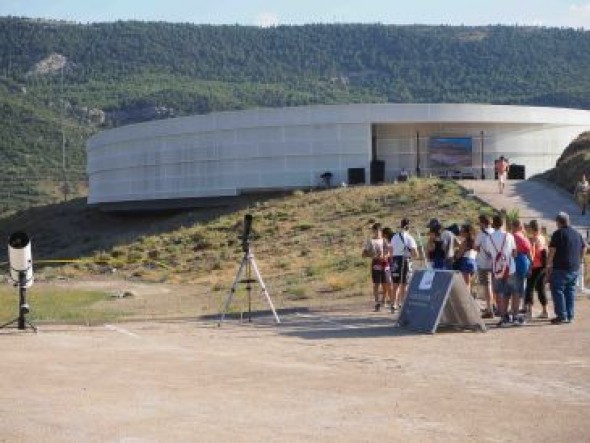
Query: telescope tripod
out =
(23, 307)
(248, 265)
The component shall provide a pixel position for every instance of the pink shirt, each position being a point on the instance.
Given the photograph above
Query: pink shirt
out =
(523, 245)
(540, 245)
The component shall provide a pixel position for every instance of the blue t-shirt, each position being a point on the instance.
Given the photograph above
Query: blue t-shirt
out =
(568, 244)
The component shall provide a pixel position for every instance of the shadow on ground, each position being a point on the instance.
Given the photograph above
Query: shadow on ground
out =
(321, 325)
(73, 229)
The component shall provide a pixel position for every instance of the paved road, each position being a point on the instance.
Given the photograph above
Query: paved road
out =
(534, 199)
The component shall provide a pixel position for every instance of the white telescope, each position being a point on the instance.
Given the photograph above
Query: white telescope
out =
(20, 259)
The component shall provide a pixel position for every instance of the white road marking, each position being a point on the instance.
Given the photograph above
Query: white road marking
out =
(327, 320)
(121, 330)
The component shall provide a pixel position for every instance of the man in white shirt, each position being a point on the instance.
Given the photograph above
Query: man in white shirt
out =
(403, 248)
(484, 264)
(501, 247)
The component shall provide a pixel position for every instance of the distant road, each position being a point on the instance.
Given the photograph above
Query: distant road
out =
(535, 199)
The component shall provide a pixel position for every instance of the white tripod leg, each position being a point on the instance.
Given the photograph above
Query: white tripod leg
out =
(264, 291)
(232, 290)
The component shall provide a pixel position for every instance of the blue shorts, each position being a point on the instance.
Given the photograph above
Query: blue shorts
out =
(467, 265)
(505, 287)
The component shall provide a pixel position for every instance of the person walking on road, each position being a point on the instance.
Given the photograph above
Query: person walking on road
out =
(502, 167)
(581, 193)
(566, 253)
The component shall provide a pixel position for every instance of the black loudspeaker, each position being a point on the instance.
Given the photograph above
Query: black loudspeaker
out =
(516, 172)
(377, 171)
(356, 176)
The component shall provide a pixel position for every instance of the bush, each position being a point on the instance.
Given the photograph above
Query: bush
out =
(296, 293)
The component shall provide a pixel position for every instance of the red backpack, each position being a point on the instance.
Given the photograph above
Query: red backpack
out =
(501, 263)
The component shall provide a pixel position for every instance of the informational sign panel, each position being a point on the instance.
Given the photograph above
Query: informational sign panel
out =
(439, 298)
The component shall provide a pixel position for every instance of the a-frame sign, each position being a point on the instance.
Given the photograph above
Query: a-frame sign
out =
(438, 298)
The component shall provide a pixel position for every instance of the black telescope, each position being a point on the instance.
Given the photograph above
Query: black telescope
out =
(247, 232)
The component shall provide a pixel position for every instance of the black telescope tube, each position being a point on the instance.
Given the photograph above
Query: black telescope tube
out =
(247, 232)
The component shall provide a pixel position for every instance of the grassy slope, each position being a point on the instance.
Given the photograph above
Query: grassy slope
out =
(307, 244)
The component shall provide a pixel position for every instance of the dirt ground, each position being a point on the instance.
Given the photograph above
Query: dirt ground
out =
(319, 376)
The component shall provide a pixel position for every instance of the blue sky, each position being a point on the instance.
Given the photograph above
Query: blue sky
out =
(264, 13)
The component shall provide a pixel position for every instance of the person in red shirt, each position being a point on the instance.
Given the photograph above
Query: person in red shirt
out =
(522, 261)
(536, 279)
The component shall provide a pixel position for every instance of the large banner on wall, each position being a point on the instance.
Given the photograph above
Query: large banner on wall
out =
(450, 152)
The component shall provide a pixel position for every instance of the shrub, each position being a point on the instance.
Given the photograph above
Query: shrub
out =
(296, 293)
(304, 226)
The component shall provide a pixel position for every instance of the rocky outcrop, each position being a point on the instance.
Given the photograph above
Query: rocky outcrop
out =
(52, 64)
(570, 166)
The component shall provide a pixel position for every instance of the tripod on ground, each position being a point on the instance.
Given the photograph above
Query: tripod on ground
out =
(23, 307)
(248, 265)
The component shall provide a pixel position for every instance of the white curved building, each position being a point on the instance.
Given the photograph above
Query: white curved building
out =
(170, 162)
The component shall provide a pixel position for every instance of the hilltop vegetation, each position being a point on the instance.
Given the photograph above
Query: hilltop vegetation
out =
(574, 162)
(80, 78)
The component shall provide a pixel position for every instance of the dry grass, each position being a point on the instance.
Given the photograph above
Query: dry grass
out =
(307, 245)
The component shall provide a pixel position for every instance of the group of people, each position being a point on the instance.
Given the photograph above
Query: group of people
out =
(391, 256)
(511, 263)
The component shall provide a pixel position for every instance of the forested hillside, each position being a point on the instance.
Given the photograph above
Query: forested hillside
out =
(80, 78)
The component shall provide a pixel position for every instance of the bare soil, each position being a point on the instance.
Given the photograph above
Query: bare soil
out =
(346, 375)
